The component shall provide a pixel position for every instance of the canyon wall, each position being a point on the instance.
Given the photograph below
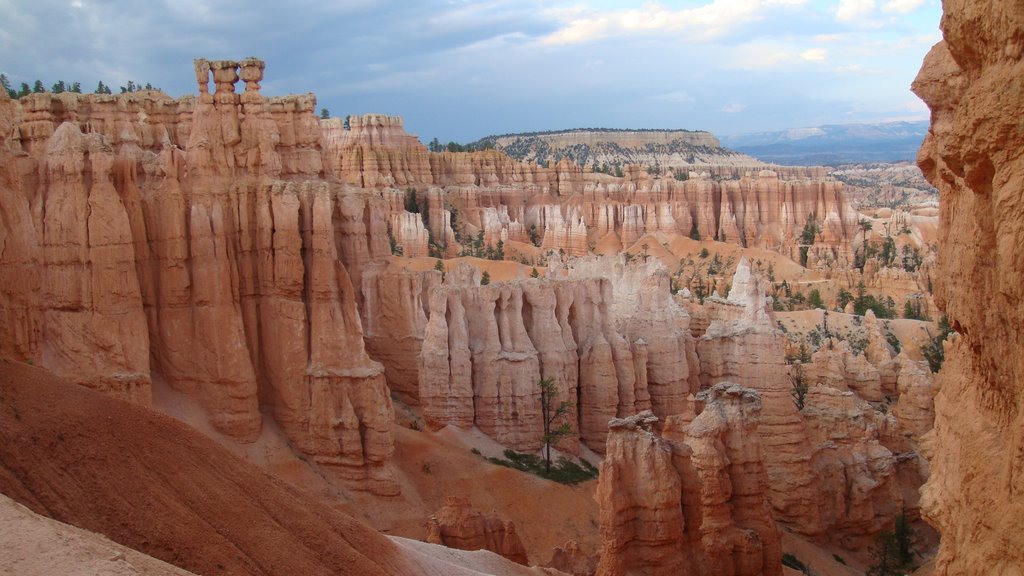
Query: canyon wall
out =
(563, 207)
(241, 251)
(972, 82)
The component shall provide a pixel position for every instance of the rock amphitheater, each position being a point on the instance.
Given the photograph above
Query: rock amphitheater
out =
(236, 338)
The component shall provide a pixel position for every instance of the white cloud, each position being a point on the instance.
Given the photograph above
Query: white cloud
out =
(853, 10)
(760, 55)
(679, 97)
(734, 108)
(857, 70)
(814, 55)
(830, 38)
(581, 30)
(902, 6)
(701, 23)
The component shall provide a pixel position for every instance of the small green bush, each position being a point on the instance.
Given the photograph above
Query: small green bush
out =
(794, 563)
(564, 471)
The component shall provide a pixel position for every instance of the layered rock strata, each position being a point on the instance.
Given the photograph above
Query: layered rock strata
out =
(687, 151)
(693, 501)
(971, 82)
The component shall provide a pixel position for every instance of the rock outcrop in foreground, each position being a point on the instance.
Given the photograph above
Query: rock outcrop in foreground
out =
(693, 501)
(972, 81)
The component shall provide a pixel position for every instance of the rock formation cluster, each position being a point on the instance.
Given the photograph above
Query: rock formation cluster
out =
(692, 501)
(243, 252)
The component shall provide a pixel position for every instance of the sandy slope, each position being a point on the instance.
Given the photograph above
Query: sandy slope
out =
(34, 545)
(155, 485)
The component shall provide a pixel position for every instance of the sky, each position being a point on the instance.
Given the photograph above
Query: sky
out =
(463, 69)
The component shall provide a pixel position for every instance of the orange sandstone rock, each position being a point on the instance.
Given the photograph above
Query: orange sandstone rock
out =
(971, 83)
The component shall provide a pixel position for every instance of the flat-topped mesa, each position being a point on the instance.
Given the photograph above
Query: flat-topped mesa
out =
(625, 138)
(692, 501)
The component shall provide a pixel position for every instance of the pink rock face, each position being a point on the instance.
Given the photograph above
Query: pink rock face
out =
(459, 525)
(857, 472)
(158, 245)
(692, 501)
(90, 296)
(409, 233)
(836, 365)
(915, 407)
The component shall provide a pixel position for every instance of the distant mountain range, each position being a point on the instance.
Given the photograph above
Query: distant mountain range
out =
(833, 144)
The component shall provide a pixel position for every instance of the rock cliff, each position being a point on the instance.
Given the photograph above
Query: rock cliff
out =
(192, 241)
(971, 81)
(692, 501)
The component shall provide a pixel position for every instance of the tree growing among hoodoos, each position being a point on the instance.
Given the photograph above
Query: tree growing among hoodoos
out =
(550, 414)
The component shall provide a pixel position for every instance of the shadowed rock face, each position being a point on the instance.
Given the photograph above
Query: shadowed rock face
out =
(972, 81)
(692, 501)
(151, 483)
